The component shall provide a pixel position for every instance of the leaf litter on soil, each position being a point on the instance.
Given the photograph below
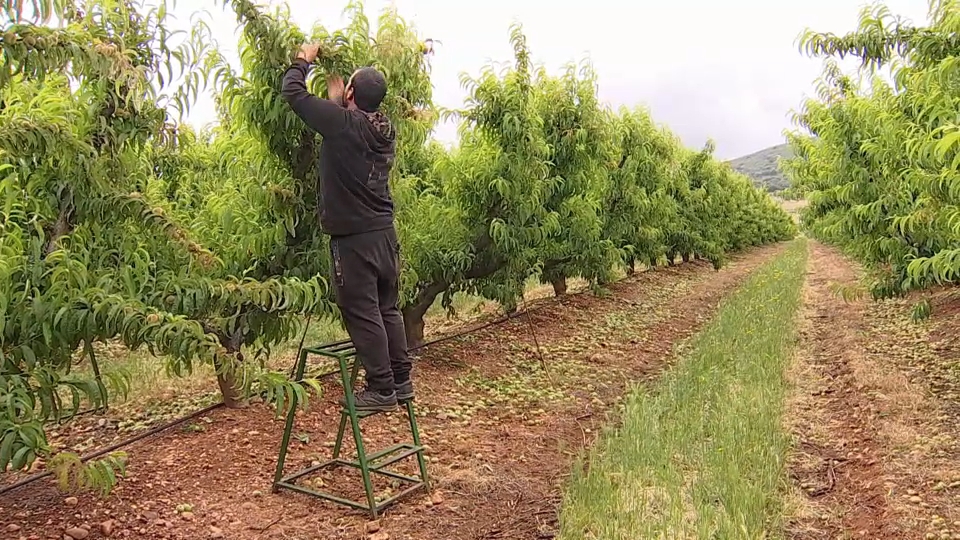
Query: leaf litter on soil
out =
(874, 423)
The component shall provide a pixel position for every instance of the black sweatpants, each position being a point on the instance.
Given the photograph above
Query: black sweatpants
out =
(366, 279)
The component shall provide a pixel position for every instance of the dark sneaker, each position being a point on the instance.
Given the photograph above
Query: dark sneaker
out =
(405, 391)
(371, 400)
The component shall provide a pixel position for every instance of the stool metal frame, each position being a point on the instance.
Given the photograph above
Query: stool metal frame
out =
(368, 464)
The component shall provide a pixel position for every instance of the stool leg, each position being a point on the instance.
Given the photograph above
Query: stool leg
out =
(364, 466)
(339, 444)
(288, 425)
(357, 436)
(343, 415)
(354, 371)
(415, 431)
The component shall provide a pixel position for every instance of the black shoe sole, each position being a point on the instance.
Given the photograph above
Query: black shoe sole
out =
(372, 408)
(405, 397)
(378, 408)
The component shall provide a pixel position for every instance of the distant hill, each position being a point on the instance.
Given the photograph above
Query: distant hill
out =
(762, 167)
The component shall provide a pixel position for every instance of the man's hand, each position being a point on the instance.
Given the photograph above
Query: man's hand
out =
(335, 88)
(309, 52)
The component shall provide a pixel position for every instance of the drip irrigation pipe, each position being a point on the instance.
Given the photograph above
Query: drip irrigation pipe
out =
(115, 446)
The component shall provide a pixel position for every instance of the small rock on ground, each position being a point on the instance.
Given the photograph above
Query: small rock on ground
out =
(77, 533)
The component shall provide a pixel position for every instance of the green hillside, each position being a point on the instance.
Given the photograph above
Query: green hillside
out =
(762, 167)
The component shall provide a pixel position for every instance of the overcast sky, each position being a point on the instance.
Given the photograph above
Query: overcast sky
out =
(725, 69)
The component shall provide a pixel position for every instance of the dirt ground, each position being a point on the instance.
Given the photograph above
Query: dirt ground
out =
(501, 432)
(874, 414)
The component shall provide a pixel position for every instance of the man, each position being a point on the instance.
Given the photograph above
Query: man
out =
(356, 210)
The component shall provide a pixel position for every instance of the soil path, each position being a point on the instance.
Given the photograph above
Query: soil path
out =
(876, 453)
(501, 432)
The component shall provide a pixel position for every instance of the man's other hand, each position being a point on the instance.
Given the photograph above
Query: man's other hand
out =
(335, 88)
(309, 52)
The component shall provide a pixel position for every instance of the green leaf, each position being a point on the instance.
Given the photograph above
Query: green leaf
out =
(21, 458)
(6, 447)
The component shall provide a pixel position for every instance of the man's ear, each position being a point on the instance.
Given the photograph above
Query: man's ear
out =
(348, 94)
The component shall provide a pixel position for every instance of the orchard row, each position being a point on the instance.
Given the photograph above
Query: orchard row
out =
(880, 164)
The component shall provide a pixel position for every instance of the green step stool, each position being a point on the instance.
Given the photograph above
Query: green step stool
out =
(346, 356)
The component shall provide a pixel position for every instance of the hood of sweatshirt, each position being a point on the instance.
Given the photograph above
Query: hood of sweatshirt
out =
(382, 127)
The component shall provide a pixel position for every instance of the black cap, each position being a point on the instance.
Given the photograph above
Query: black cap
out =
(369, 88)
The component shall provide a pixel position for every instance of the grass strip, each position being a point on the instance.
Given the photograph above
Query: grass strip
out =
(701, 454)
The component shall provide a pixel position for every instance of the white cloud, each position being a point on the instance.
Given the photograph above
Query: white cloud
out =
(729, 70)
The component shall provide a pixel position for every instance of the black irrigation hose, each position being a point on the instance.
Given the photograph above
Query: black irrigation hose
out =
(483, 326)
(115, 446)
(172, 423)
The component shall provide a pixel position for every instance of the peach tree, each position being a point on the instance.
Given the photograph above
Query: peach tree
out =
(878, 163)
(493, 191)
(90, 250)
(638, 207)
(580, 146)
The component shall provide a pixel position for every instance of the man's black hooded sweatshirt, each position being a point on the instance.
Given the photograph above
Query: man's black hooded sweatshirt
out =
(355, 157)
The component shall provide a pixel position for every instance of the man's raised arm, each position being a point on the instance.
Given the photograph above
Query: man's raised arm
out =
(322, 115)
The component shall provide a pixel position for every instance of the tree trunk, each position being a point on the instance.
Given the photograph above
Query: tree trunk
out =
(631, 266)
(62, 226)
(229, 386)
(413, 323)
(554, 273)
(686, 257)
(413, 313)
(413, 326)
(559, 286)
(227, 379)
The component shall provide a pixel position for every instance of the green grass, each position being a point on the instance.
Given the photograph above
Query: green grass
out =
(702, 454)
